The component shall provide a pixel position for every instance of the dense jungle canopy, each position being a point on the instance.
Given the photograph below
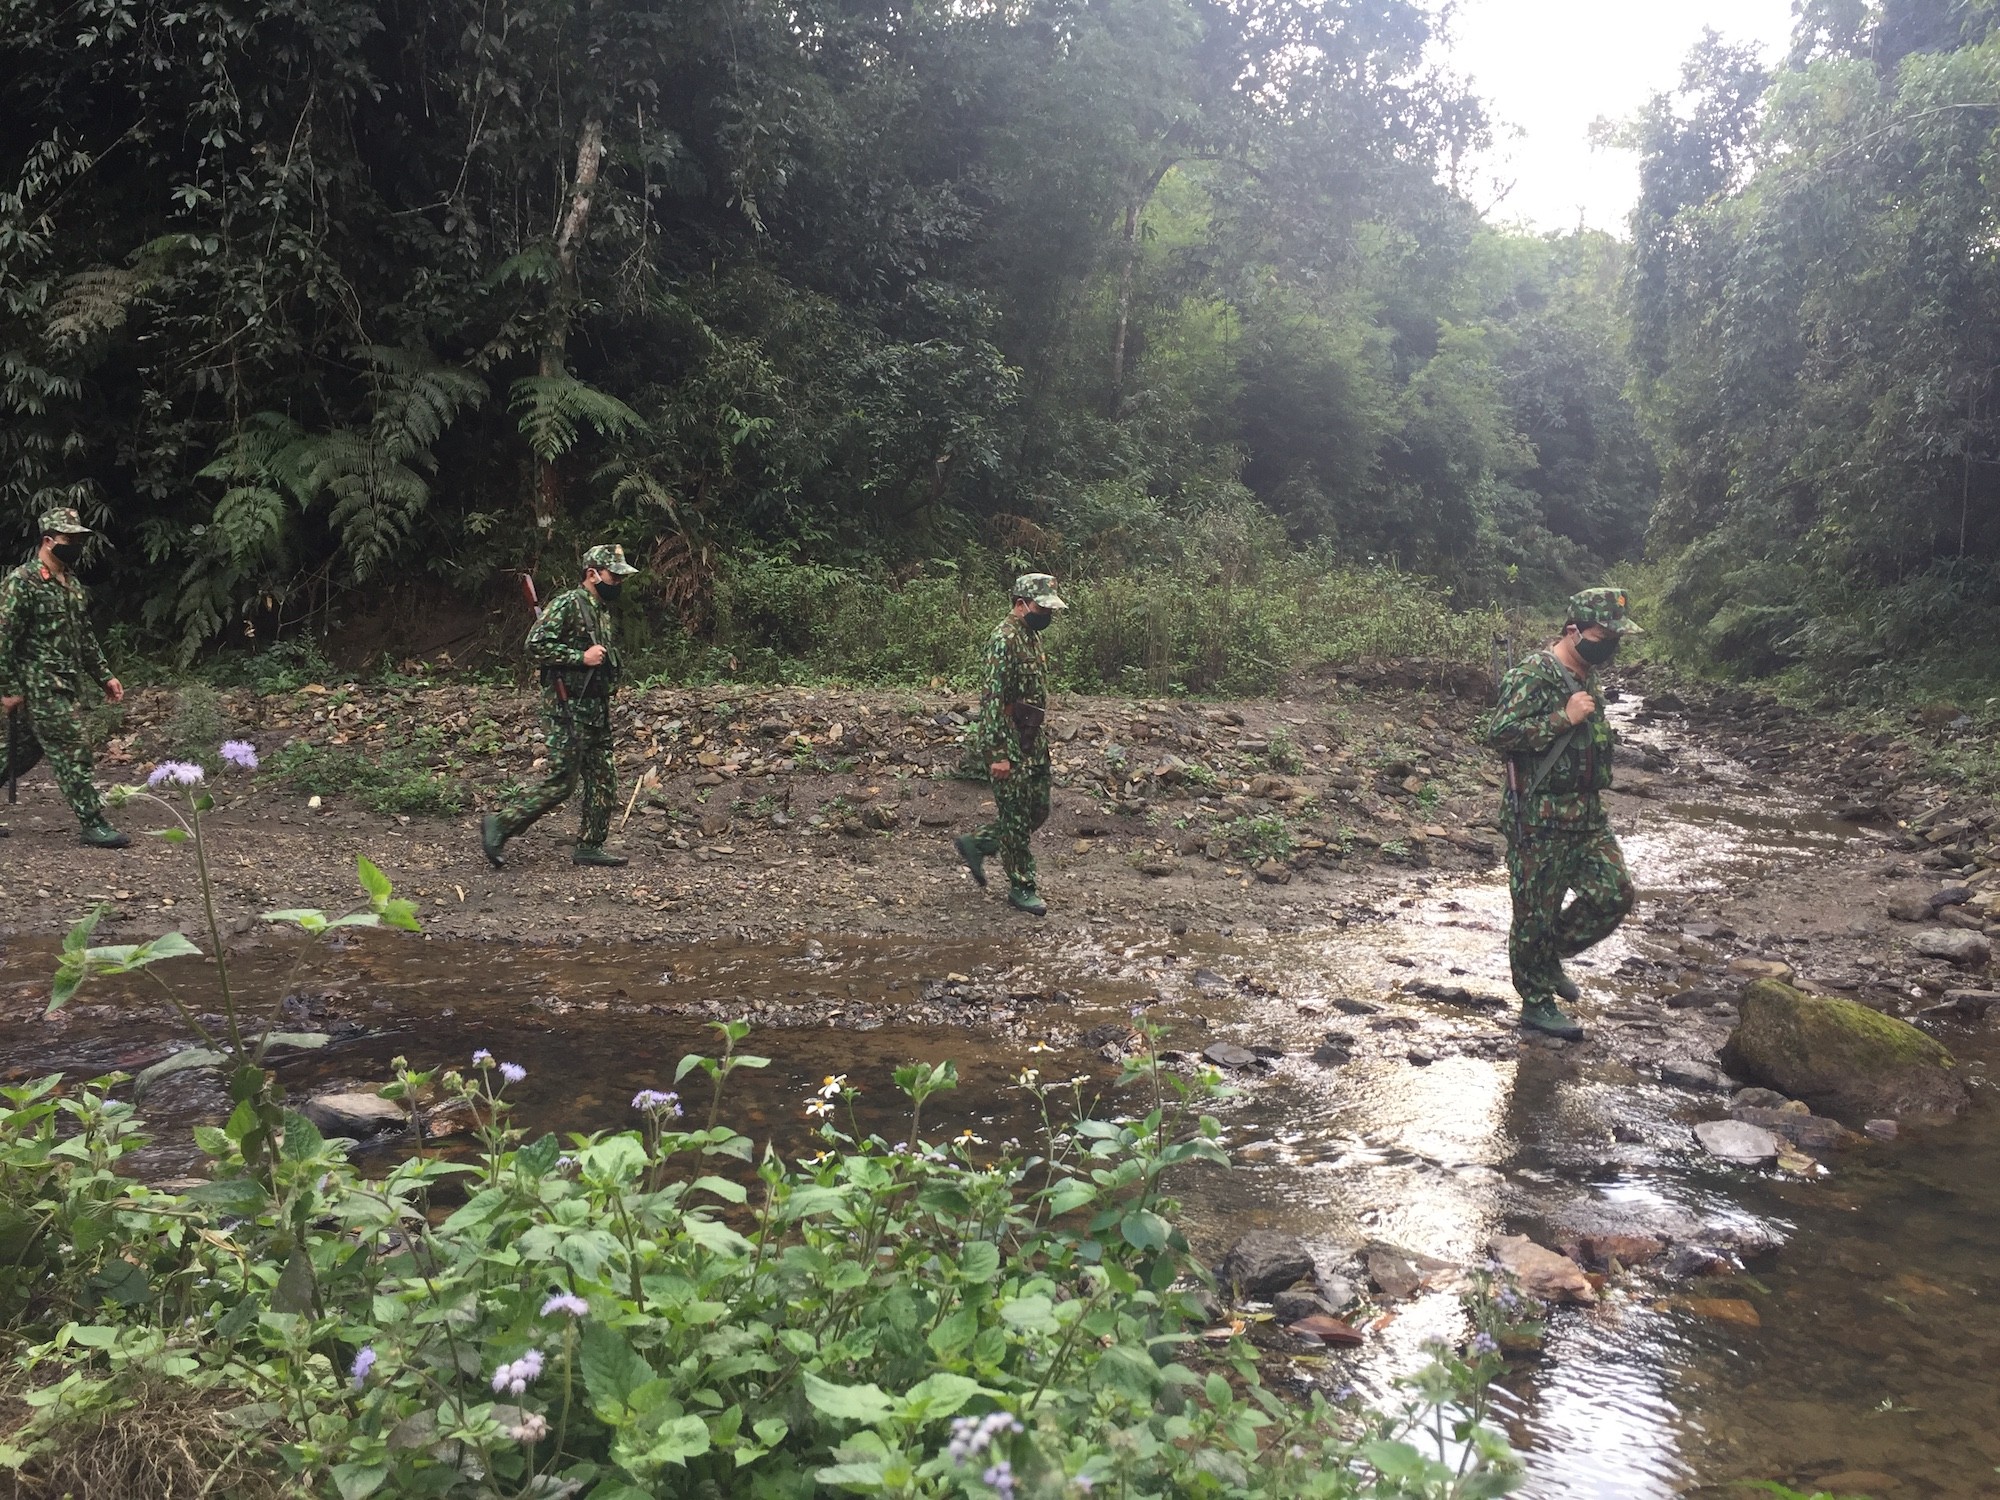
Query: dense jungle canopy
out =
(304, 299)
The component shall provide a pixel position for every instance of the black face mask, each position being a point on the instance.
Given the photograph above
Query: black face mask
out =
(67, 552)
(1038, 619)
(608, 590)
(1597, 653)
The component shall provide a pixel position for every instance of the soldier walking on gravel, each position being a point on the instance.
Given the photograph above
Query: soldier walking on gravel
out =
(48, 654)
(1551, 728)
(573, 645)
(1009, 740)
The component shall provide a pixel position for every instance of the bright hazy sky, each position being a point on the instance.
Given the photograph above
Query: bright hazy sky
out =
(1551, 67)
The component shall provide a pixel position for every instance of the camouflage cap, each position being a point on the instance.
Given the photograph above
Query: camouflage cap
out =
(1604, 606)
(1038, 588)
(611, 559)
(63, 521)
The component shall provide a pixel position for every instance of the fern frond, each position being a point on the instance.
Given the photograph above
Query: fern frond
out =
(552, 408)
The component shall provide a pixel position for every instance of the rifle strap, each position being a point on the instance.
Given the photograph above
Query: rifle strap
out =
(1556, 751)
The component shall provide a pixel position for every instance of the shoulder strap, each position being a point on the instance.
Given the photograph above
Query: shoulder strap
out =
(1555, 752)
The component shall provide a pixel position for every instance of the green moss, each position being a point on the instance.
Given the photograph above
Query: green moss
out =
(1840, 1030)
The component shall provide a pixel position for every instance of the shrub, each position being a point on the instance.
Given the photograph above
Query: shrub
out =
(665, 1311)
(384, 781)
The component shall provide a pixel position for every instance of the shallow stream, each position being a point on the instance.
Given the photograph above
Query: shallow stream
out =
(1871, 1371)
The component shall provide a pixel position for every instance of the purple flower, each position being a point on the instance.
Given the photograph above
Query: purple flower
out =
(971, 1436)
(514, 1378)
(363, 1363)
(175, 773)
(1001, 1477)
(564, 1302)
(1484, 1344)
(652, 1101)
(482, 1058)
(513, 1072)
(240, 754)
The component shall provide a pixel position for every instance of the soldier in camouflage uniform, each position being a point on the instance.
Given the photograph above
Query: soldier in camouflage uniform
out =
(573, 645)
(1008, 738)
(1551, 728)
(48, 654)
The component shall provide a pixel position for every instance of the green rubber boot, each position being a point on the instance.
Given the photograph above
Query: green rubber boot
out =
(1546, 1017)
(101, 835)
(1025, 900)
(975, 860)
(597, 854)
(492, 839)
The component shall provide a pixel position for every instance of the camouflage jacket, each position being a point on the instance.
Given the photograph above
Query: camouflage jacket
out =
(47, 647)
(1527, 723)
(572, 623)
(1017, 673)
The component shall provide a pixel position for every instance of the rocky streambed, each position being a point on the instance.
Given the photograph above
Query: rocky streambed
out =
(1751, 1281)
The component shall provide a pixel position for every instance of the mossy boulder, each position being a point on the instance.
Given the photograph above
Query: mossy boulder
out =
(1843, 1059)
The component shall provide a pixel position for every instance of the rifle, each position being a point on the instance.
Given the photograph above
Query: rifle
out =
(535, 610)
(13, 756)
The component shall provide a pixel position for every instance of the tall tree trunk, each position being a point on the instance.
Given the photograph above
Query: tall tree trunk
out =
(555, 346)
(1127, 266)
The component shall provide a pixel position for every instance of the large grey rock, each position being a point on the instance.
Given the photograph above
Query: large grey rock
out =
(356, 1114)
(1841, 1058)
(1263, 1263)
(1969, 950)
(1737, 1141)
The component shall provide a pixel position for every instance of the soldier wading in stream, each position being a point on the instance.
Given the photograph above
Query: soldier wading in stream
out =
(1009, 741)
(573, 645)
(48, 655)
(1551, 728)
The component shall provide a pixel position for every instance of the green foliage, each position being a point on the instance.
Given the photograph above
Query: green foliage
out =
(384, 781)
(196, 725)
(851, 287)
(1817, 311)
(1261, 837)
(664, 1312)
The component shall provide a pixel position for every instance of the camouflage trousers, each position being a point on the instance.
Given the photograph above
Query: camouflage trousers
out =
(52, 726)
(1022, 806)
(579, 744)
(1543, 866)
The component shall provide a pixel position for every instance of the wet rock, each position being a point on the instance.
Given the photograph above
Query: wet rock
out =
(1604, 1251)
(1951, 895)
(1290, 1306)
(1725, 1310)
(1335, 1051)
(1969, 950)
(1401, 1274)
(1457, 994)
(1965, 1005)
(356, 1115)
(1751, 970)
(1336, 1291)
(1800, 1127)
(1757, 1098)
(1690, 1260)
(1209, 982)
(1734, 1141)
(1910, 909)
(1700, 998)
(1881, 1130)
(1328, 1330)
(1262, 1264)
(1842, 1058)
(1541, 1273)
(1685, 1073)
(1354, 1007)
(1229, 1055)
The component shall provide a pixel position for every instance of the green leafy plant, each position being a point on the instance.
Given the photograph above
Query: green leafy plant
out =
(233, 1049)
(386, 781)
